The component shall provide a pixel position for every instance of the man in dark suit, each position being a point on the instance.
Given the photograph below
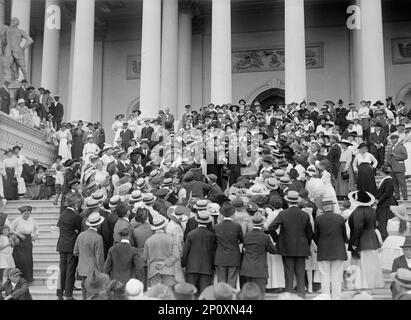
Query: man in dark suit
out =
(122, 165)
(198, 253)
(402, 262)
(168, 120)
(229, 235)
(385, 198)
(390, 128)
(5, 98)
(334, 157)
(126, 135)
(215, 189)
(330, 236)
(122, 259)
(396, 160)
(57, 111)
(377, 142)
(293, 242)
(145, 152)
(147, 131)
(15, 288)
(256, 245)
(22, 92)
(69, 224)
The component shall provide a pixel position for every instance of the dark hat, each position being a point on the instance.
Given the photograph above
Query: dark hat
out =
(72, 199)
(16, 147)
(386, 169)
(407, 242)
(340, 101)
(25, 208)
(184, 291)
(14, 272)
(237, 202)
(251, 207)
(258, 220)
(394, 136)
(227, 210)
(362, 145)
(268, 158)
(73, 182)
(161, 192)
(124, 232)
(378, 103)
(212, 177)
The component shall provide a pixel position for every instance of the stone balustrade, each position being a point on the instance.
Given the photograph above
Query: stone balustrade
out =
(32, 141)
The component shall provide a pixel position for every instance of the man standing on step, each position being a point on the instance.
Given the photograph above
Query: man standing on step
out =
(69, 224)
(396, 160)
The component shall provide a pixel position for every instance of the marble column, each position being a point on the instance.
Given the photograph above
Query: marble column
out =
(51, 45)
(169, 56)
(221, 77)
(295, 65)
(83, 61)
(150, 81)
(184, 58)
(369, 43)
(2, 11)
(21, 10)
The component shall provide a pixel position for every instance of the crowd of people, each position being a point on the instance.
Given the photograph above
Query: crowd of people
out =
(228, 202)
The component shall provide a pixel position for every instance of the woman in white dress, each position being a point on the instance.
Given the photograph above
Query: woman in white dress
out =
(64, 138)
(276, 279)
(21, 161)
(102, 177)
(117, 126)
(407, 144)
(6, 251)
(329, 191)
(139, 124)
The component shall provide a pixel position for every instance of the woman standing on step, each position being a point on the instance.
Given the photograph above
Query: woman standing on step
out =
(9, 178)
(364, 165)
(26, 229)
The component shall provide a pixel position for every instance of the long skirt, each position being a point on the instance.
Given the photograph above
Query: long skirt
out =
(407, 162)
(391, 249)
(23, 257)
(343, 187)
(10, 189)
(276, 277)
(371, 272)
(366, 179)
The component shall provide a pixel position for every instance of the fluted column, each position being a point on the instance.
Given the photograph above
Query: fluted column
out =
(51, 45)
(221, 77)
(2, 11)
(184, 58)
(295, 65)
(83, 61)
(150, 82)
(369, 43)
(169, 56)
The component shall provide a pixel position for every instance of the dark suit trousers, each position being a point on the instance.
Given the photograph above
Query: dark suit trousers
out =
(379, 154)
(200, 281)
(68, 264)
(398, 178)
(294, 265)
(261, 282)
(227, 274)
(383, 215)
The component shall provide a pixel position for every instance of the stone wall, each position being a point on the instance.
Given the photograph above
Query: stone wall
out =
(32, 141)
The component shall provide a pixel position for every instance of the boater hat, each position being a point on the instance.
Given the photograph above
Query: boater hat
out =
(203, 217)
(361, 198)
(292, 197)
(94, 219)
(159, 222)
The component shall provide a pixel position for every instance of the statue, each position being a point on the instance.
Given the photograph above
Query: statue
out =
(12, 53)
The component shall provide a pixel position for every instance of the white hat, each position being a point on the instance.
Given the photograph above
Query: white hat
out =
(21, 101)
(134, 289)
(94, 219)
(159, 222)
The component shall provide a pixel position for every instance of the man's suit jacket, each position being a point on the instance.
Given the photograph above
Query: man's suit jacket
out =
(20, 291)
(385, 194)
(122, 168)
(295, 233)
(390, 129)
(58, 111)
(21, 94)
(198, 252)
(121, 224)
(121, 262)
(5, 100)
(126, 135)
(161, 254)
(398, 263)
(214, 192)
(147, 132)
(140, 235)
(107, 230)
(144, 158)
(89, 248)
(374, 138)
(330, 236)
(397, 157)
(256, 245)
(69, 224)
(334, 158)
(229, 235)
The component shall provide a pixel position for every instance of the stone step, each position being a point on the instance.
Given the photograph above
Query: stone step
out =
(40, 292)
(36, 211)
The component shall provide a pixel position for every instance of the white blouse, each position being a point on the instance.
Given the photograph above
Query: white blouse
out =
(366, 158)
(346, 156)
(22, 226)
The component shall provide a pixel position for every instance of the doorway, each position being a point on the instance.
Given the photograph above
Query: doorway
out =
(271, 97)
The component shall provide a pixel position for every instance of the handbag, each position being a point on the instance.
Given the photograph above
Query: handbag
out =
(345, 175)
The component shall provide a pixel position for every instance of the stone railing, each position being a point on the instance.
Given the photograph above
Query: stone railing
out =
(32, 141)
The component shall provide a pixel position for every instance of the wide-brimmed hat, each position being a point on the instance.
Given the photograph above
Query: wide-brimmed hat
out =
(159, 222)
(292, 197)
(203, 217)
(149, 198)
(95, 282)
(407, 242)
(135, 196)
(403, 278)
(201, 205)
(94, 219)
(401, 213)
(361, 198)
(23, 209)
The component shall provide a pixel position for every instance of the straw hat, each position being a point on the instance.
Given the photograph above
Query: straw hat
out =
(203, 217)
(94, 219)
(159, 222)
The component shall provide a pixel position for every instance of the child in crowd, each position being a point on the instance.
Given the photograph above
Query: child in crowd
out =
(59, 182)
(6, 251)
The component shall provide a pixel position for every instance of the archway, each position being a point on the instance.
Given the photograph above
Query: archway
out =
(405, 95)
(267, 98)
(135, 104)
